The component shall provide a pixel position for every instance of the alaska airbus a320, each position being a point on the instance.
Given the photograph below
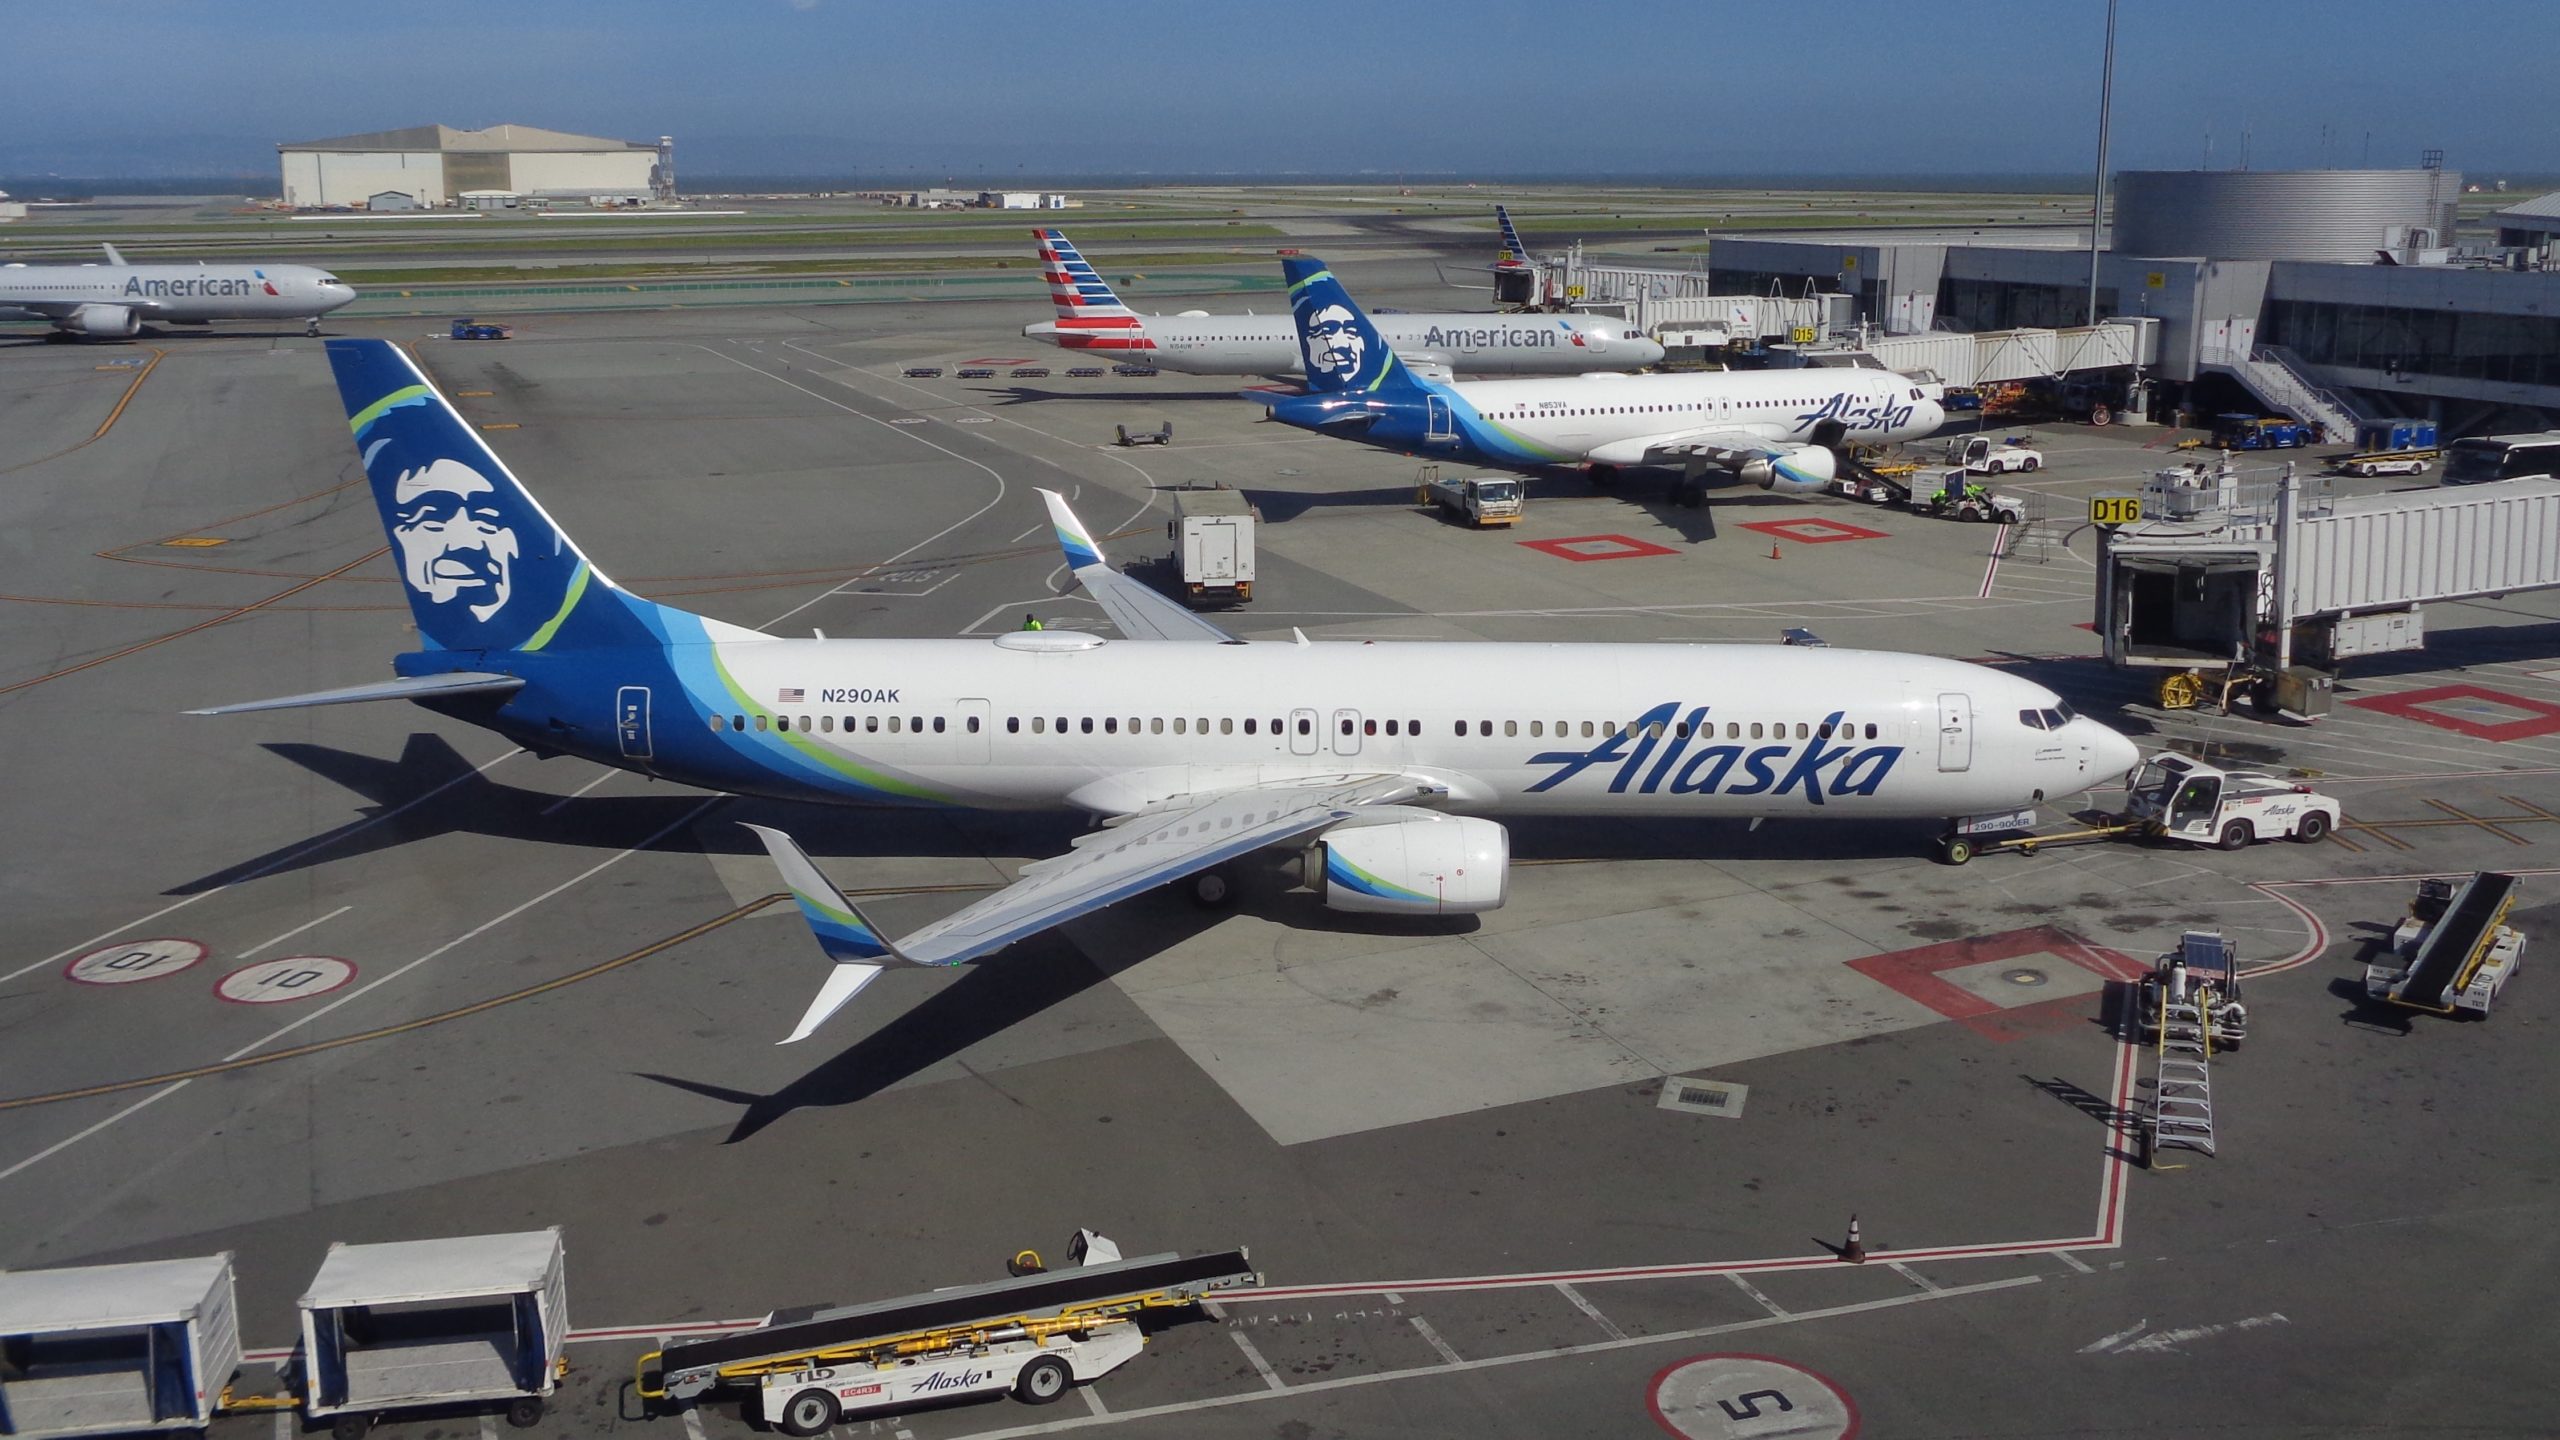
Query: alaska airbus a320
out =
(1381, 762)
(1772, 428)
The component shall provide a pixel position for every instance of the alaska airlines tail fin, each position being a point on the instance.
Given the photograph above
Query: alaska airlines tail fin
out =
(1340, 348)
(1513, 252)
(484, 567)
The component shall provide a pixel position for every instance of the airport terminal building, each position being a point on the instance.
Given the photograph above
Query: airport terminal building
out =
(432, 166)
(2337, 288)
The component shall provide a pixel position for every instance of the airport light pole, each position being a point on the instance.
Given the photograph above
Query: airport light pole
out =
(2098, 191)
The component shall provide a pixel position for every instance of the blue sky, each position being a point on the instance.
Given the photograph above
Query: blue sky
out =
(996, 88)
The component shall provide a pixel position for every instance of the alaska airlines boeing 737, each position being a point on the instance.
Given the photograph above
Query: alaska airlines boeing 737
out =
(112, 301)
(1091, 318)
(1771, 428)
(1196, 748)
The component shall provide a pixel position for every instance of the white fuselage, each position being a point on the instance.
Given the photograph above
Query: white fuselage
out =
(1062, 719)
(183, 293)
(1597, 417)
(1465, 344)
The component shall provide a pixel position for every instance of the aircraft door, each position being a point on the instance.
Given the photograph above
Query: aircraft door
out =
(631, 721)
(1443, 426)
(1302, 732)
(972, 739)
(1346, 732)
(1955, 732)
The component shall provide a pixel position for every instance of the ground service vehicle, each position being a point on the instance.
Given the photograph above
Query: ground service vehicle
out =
(2454, 952)
(1480, 500)
(417, 1324)
(1958, 497)
(2203, 971)
(1161, 436)
(1037, 1371)
(2183, 798)
(1212, 533)
(2383, 464)
(923, 372)
(116, 1349)
(468, 329)
(1981, 455)
(2502, 457)
(2237, 431)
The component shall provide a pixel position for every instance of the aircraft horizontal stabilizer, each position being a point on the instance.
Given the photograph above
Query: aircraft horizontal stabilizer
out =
(415, 687)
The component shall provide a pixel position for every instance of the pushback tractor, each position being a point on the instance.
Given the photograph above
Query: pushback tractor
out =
(1034, 1335)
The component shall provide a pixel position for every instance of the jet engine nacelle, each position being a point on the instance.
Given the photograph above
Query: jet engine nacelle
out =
(1419, 863)
(1797, 467)
(118, 322)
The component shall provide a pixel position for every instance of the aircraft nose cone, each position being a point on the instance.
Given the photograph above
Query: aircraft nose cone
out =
(2112, 755)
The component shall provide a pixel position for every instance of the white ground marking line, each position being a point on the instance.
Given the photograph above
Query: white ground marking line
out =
(1432, 1338)
(1254, 1358)
(488, 1427)
(1754, 1291)
(2074, 1261)
(1917, 1280)
(351, 996)
(1392, 1297)
(2170, 1340)
(1561, 1352)
(296, 930)
(558, 804)
(1607, 1326)
(1093, 1400)
(693, 1424)
(992, 501)
(281, 861)
(285, 1425)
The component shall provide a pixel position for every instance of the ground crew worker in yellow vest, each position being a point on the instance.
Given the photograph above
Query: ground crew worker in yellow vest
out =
(1030, 621)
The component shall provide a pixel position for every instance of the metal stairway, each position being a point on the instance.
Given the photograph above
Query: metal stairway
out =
(2182, 1086)
(2271, 374)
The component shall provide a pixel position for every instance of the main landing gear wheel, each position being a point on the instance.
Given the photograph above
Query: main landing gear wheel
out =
(350, 1427)
(525, 1411)
(1954, 849)
(2313, 829)
(810, 1412)
(1043, 1380)
(2237, 835)
(1213, 889)
(1603, 474)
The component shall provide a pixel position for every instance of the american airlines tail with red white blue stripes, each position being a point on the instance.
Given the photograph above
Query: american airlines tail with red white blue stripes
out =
(1090, 317)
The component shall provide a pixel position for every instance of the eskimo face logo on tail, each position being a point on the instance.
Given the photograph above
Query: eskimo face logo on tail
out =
(1334, 344)
(455, 546)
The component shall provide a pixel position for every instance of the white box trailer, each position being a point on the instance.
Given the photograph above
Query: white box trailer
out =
(416, 1323)
(1212, 533)
(116, 1349)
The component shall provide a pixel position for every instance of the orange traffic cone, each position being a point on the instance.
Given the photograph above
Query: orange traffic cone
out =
(1773, 550)
(1855, 1252)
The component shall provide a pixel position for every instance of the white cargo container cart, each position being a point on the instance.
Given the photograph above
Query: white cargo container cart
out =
(417, 1323)
(116, 1349)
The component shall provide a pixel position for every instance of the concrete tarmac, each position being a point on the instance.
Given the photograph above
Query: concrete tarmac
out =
(1448, 1146)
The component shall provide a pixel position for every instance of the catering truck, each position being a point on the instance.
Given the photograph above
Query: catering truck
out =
(1212, 533)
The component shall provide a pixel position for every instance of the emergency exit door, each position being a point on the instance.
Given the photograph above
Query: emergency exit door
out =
(1955, 732)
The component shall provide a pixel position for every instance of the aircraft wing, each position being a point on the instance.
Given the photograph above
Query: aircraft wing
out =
(1713, 442)
(1139, 853)
(1141, 612)
(414, 687)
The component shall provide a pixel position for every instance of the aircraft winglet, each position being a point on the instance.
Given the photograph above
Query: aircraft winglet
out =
(1073, 538)
(857, 947)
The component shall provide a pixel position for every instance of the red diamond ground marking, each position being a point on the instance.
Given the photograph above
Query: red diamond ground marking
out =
(2419, 705)
(1813, 532)
(1920, 974)
(1599, 547)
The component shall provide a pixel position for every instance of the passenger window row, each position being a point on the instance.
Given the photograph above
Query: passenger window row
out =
(1229, 725)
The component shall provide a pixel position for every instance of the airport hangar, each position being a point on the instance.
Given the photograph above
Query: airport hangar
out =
(436, 165)
(2337, 295)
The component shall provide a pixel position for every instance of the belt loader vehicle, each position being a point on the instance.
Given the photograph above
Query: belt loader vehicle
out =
(2454, 951)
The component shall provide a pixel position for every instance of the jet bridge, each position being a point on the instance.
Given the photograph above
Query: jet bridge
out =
(2276, 575)
(1033, 1304)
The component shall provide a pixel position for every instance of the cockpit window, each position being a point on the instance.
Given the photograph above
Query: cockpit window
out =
(2066, 712)
(2032, 719)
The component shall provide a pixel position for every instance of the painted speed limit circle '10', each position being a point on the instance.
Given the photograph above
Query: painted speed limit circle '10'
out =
(134, 960)
(295, 977)
(1731, 1397)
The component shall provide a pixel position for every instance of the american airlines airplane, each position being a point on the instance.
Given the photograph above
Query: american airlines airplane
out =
(1381, 762)
(1195, 342)
(112, 301)
(1771, 428)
